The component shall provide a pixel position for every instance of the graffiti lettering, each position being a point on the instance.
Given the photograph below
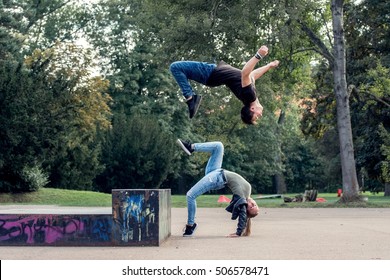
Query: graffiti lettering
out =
(49, 229)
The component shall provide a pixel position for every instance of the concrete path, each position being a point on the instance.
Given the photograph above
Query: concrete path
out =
(277, 234)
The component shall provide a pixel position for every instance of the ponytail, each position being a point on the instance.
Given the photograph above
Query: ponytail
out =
(249, 215)
(247, 231)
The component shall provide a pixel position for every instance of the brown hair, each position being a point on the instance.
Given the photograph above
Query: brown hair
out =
(246, 114)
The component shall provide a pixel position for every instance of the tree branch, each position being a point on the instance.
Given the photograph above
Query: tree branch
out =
(328, 32)
(377, 98)
(213, 12)
(43, 15)
(323, 50)
(355, 90)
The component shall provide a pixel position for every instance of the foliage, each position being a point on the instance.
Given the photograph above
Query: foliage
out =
(367, 98)
(367, 34)
(82, 131)
(137, 154)
(51, 113)
(76, 108)
(34, 177)
(46, 22)
(385, 149)
(18, 127)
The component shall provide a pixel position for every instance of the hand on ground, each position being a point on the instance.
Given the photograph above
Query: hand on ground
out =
(232, 235)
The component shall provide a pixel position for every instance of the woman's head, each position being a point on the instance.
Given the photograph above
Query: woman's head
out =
(252, 209)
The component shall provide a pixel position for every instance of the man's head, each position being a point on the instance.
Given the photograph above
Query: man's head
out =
(252, 112)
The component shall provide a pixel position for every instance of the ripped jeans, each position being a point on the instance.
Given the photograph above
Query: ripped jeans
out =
(214, 178)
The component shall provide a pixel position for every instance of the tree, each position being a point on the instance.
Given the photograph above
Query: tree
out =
(368, 71)
(137, 154)
(50, 105)
(19, 149)
(385, 165)
(19, 169)
(337, 63)
(46, 22)
(350, 182)
(136, 41)
(76, 106)
(145, 39)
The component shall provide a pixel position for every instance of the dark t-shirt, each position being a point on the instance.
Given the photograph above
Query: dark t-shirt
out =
(224, 74)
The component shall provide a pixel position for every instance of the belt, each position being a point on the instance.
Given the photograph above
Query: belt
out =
(224, 177)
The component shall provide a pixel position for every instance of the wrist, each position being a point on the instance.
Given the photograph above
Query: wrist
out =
(258, 56)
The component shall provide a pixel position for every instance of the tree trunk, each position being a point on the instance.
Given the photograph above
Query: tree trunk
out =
(350, 182)
(278, 181)
(387, 189)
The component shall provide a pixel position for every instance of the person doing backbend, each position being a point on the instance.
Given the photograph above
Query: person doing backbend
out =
(242, 206)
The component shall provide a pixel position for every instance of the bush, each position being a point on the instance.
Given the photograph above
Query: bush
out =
(34, 177)
(29, 179)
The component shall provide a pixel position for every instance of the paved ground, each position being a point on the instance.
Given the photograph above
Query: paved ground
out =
(278, 234)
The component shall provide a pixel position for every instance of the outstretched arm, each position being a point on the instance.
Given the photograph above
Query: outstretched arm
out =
(242, 220)
(257, 73)
(250, 65)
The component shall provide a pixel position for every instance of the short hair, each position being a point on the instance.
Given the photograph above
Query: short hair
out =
(247, 115)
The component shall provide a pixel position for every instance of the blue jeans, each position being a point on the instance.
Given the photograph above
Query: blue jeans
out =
(213, 179)
(183, 71)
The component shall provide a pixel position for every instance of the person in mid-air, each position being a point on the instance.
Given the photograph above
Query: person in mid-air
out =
(240, 81)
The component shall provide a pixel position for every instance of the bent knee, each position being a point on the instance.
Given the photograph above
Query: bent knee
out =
(174, 66)
(219, 146)
(189, 195)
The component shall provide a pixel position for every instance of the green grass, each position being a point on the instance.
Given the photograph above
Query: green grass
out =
(60, 197)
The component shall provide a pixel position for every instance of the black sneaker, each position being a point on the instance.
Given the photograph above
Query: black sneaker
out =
(193, 104)
(186, 146)
(189, 231)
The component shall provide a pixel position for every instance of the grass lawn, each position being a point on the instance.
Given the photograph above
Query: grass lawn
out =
(47, 196)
